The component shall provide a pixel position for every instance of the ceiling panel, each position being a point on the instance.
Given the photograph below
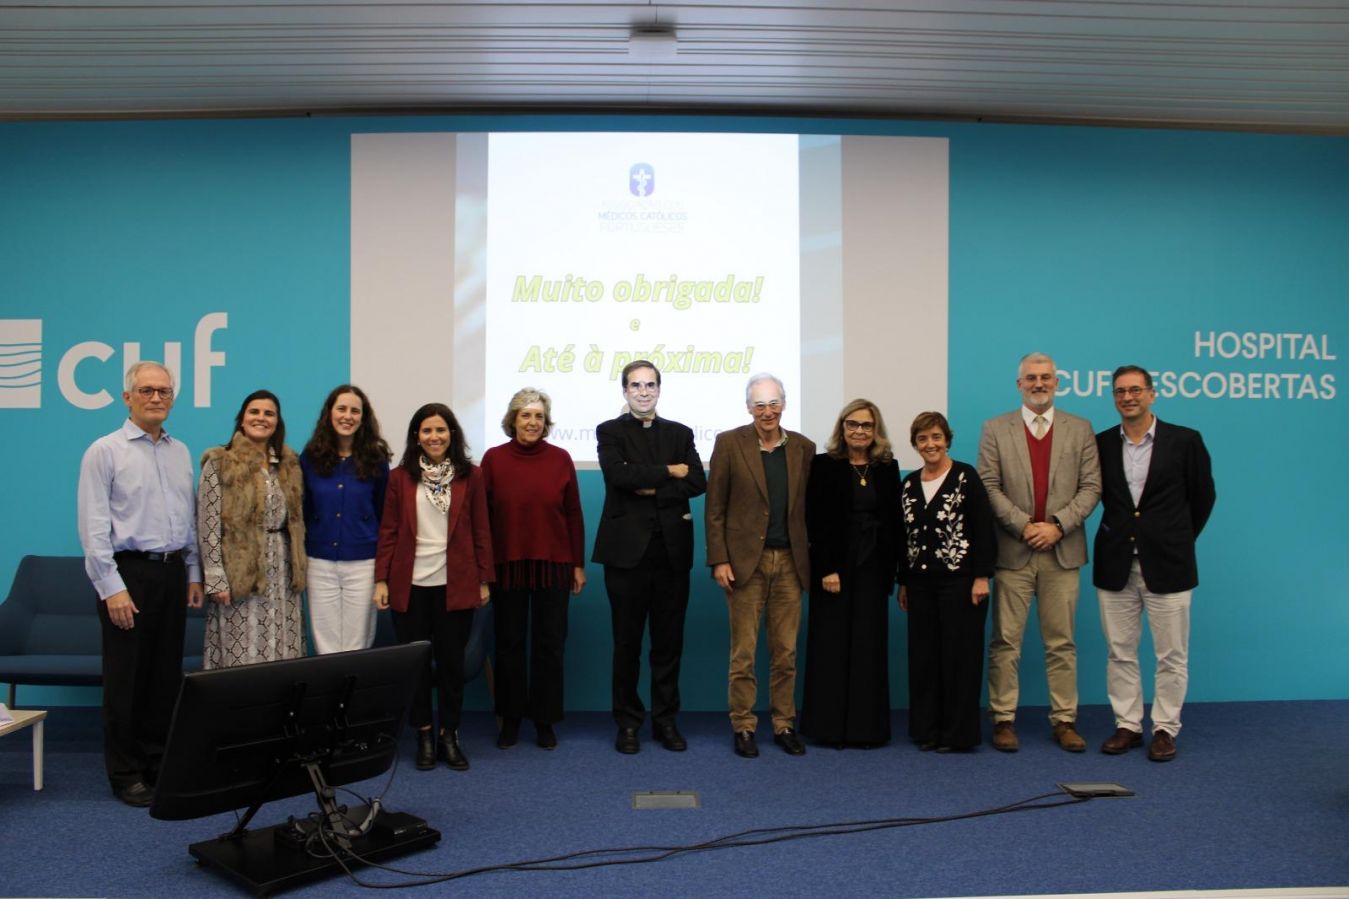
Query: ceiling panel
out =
(1235, 64)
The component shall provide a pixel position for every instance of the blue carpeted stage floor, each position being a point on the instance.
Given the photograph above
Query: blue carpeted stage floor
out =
(1259, 797)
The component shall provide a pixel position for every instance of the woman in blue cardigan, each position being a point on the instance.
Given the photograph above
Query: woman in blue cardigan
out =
(346, 470)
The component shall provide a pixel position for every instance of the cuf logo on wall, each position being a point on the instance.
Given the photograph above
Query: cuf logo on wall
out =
(641, 180)
(21, 363)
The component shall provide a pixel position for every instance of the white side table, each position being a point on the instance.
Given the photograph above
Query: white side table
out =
(33, 719)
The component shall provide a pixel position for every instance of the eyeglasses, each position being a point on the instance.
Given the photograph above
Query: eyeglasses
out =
(150, 392)
(1135, 391)
(859, 425)
(775, 405)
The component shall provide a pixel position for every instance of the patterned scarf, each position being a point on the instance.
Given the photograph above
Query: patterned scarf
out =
(436, 482)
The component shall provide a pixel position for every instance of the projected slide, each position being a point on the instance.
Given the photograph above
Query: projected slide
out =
(483, 263)
(605, 248)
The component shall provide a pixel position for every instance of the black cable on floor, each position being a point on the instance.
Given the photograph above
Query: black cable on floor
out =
(760, 836)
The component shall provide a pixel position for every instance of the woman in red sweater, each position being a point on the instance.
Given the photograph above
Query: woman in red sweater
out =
(539, 538)
(433, 565)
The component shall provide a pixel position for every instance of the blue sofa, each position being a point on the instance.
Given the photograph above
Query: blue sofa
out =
(49, 629)
(50, 633)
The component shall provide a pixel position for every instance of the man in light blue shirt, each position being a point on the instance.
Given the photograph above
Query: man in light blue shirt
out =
(137, 517)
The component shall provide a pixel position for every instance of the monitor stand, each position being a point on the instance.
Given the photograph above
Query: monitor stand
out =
(287, 855)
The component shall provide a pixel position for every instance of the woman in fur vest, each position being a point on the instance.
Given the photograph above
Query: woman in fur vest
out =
(250, 523)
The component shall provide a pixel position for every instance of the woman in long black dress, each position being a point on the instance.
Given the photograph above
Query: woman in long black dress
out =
(852, 515)
(950, 547)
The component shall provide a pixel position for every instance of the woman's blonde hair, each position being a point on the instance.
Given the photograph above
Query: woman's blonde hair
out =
(879, 450)
(523, 397)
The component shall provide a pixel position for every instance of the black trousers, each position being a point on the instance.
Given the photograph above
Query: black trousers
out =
(655, 591)
(428, 619)
(537, 618)
(946, 662)
(142, 668)
(846, 697)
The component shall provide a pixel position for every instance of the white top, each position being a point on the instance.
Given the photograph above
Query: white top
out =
(433, 532)
(931, 487)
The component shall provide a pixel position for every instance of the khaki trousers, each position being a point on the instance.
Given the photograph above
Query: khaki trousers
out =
(1169, 619)
(773, 593)
(1056, 589)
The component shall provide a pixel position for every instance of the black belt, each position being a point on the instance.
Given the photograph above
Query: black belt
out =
(176, 555)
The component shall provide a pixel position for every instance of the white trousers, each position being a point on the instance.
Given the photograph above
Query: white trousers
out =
(341, 612)
(1169, 620)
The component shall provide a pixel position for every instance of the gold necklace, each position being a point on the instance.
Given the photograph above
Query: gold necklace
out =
(861, 472)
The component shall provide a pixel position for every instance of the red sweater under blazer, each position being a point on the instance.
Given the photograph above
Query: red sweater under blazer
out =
(468, 546)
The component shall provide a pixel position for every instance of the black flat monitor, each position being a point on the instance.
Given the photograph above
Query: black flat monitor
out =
(248, 735)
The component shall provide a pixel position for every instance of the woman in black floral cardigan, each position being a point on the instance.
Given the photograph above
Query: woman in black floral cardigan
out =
(950, 547)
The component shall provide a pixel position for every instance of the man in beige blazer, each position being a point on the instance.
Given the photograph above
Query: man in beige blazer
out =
(1043, 478)
(759, 555)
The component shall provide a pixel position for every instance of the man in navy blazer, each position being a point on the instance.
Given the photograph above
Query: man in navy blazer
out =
(1158, 494)
(1039, 466)
(645, 543)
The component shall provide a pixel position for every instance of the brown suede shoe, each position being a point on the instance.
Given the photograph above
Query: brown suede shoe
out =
(1004, 737)
(1067, 737)
(1163, 747)
(1123, 740)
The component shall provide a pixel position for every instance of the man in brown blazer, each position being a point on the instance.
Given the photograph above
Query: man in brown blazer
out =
(1040, 468)
(759, 554)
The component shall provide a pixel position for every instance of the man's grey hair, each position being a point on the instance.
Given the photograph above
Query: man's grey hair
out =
(759, 379)
(137, 367)
(1031, 358)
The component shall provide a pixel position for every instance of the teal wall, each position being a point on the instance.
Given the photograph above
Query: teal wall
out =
(1098, 246)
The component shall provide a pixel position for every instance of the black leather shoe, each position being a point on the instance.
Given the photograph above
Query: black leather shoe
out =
(790, 742)
(426, 750)
(627, 741)
(509, 734)
(745, 747)
(544, 736)
(670, 737)
(135, 794)
(450, 751)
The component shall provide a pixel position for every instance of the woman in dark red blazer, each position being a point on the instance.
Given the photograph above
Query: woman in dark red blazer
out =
(433, 565)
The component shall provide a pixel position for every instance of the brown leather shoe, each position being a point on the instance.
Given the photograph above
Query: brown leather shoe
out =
(1004, 737)
(1122, 741)
(1067, 737)
(1163, 747)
